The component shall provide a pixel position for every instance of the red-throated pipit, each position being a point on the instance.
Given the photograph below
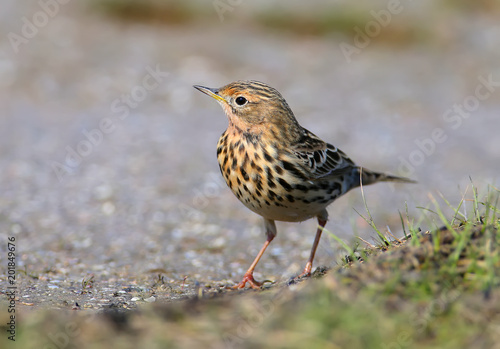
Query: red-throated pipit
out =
(277, 168)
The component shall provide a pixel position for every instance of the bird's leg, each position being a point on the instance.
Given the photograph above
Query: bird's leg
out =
(248, 277)
(321, 222)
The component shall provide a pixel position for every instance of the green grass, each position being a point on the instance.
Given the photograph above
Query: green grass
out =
(432, 289)
(168, 12)
(413, 24)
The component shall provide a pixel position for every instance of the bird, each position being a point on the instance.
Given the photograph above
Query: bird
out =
(277, 168)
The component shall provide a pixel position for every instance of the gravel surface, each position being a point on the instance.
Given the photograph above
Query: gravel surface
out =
(108, 169)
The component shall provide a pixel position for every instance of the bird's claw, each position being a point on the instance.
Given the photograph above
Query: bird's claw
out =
(248, 278)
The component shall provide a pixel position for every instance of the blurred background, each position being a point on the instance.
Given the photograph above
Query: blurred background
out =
(108, 161)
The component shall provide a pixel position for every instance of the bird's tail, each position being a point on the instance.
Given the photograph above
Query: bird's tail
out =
(368, 177)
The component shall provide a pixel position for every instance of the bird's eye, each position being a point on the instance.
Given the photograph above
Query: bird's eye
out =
(241, 100)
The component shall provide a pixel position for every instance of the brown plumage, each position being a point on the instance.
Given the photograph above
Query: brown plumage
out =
(277, 168)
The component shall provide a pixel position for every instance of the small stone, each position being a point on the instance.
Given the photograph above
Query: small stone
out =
(103, 192)
(16, 228)
(218, 242)
(108, 208)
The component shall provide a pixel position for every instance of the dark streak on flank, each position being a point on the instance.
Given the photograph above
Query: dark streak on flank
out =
(267, 156)
(245, 161)
(244, 174)
(285, 184)
(270, 178)
(301, 187)
(293, 170)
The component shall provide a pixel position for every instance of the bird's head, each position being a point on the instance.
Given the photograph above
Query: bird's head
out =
(252, 106)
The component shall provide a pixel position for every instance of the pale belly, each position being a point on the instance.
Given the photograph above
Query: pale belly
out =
(290, 212)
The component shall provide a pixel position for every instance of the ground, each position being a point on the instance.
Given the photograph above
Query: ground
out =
(431, 289)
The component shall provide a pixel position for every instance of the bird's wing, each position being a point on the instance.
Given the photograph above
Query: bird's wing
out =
(321, 159)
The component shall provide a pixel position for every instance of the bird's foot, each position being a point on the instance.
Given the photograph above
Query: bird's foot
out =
(248, 278)
(306, 272)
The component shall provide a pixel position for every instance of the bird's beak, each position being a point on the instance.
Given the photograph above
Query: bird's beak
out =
(212, 92)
